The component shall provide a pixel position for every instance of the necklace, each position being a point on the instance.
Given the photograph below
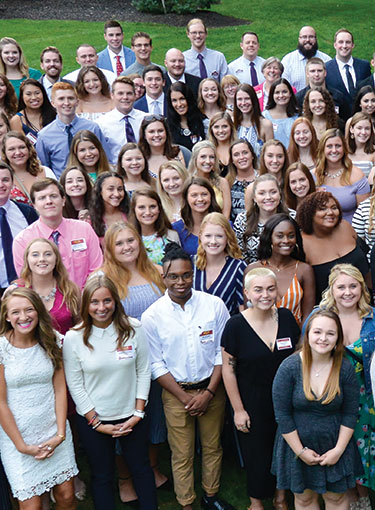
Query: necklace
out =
(334, 176)
(49, 296)
(317, 372)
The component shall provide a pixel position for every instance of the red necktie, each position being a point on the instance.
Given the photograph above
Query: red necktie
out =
(119, 67)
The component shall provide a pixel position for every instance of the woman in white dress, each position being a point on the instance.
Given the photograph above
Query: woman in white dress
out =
(35, 438)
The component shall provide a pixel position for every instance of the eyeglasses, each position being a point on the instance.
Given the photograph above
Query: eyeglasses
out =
(186, 277)
(138, 46)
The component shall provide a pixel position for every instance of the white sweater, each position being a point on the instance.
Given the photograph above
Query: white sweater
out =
(104, 378)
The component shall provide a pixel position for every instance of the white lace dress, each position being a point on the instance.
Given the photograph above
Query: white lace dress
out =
(31, 398)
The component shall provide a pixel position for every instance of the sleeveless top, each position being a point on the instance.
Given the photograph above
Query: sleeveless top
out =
(251, 135)
(29, 132)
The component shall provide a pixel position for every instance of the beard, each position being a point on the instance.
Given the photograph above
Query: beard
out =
(308, 53)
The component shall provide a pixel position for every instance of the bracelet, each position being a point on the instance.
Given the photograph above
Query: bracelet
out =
(96, 425)
(210, 391)
(139, 414)
(298, 455)
(93, 419)
(62, 437)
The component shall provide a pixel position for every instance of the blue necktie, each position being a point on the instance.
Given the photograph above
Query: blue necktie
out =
(130, 136)
(202, 67)
(253, 74)
(68, 130)
(7, 240)
(55, 237)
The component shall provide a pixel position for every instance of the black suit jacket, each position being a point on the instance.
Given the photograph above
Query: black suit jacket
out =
(367, 81)
(29, 212)
(334, 80)
(191, 81)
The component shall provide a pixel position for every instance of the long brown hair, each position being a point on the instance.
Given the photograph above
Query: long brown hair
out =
(255, 114)
(118, 272)
(293, 150)
(33, 166)
(332, 387)
(162, 224)
(10, 98)
(88, 136)
(330, 113)
(69, 290)
(119, 318)
(322, 160)
(289, 197)
(350, 140)
(44, 333)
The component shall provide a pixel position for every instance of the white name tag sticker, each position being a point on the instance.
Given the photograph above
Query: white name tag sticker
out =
(206, 336)
(78, 244)
(283, 343)
(126, 352)
(259, 93)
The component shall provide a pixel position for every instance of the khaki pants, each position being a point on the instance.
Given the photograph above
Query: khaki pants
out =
(181, 438)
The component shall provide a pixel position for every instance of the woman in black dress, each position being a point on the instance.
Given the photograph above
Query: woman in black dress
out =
(254, 343)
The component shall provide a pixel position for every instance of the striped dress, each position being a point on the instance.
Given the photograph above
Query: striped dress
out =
(228, 285)
(360, 223)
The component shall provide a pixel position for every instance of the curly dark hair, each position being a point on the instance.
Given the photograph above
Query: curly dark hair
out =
(330, 113)
(265, 240)
(173, 251)
(193, 116)
(97, 204)
(308, 207)
(170, 151)
(47, 111)
(292, 108)
(162, 224)
(10, 98)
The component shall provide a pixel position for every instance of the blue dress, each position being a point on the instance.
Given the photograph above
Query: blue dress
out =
(318, 428)
(189, 241)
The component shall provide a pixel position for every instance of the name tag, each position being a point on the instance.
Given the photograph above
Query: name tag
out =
(283, 343)
(78, 244)
(259, 93)
(206, 336)
(126, 352)
(32, 138)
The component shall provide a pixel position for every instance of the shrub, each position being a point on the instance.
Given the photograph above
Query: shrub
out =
(176, 6)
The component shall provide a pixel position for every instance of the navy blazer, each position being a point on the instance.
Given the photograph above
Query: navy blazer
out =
(370, 80)
(334, 80)
(29, 212)
(190, 80)
(141, 104)
(104, 62)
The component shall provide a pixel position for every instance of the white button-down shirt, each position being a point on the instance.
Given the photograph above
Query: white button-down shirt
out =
(342, 70)
(112, 125)
(159, 100)
(185, 342)
(295, 67)
(113, 58)
(214, 61)
(241, 69)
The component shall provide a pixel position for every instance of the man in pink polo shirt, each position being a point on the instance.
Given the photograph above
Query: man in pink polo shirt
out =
(76, 240)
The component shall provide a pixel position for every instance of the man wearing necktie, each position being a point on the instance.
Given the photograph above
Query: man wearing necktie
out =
(200, 60)
(14, 217)
(115, 57)
(121, 125)
(344, 71)
(54, 140)
(154, 100)
(248, 67)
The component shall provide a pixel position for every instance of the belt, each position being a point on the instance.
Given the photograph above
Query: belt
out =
(200, 385)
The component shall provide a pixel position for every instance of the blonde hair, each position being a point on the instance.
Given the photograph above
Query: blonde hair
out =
(332, 387)
(213, 177)
(22, 65)
(254, 273)
(232, 249)
(166, 200)
(119, 273)
(328, 301)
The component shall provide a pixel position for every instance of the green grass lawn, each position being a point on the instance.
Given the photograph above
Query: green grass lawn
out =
(277, 24)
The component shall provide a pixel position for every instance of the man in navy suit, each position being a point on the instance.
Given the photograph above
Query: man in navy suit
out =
(175, 64)
(344, 71)
(115, 57)
(370, 80)
(154, 100)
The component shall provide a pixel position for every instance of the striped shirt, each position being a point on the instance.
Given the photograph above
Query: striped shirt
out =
(361, 221)
(228, 286)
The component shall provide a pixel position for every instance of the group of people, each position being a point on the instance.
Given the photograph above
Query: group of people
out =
(174, 238)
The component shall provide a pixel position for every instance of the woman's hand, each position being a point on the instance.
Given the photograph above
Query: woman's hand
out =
(36, 451)
(106, 429)
(330, 457)
(310, 457)
(123, 429)
(84, 215)
(48, 447)
(242, 421)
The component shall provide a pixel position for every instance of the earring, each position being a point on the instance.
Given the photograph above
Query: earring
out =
(352, 136)
(249, 304)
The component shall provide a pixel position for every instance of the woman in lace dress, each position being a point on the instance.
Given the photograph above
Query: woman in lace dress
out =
(35, 439)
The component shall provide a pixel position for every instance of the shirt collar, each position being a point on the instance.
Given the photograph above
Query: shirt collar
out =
(47, 231)
(62, 125)
(100, 332)
(175, 305)
(113, 55)
(173, 80)
(342, 65)
(119, 116)
(196, 53)
(6, 206)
